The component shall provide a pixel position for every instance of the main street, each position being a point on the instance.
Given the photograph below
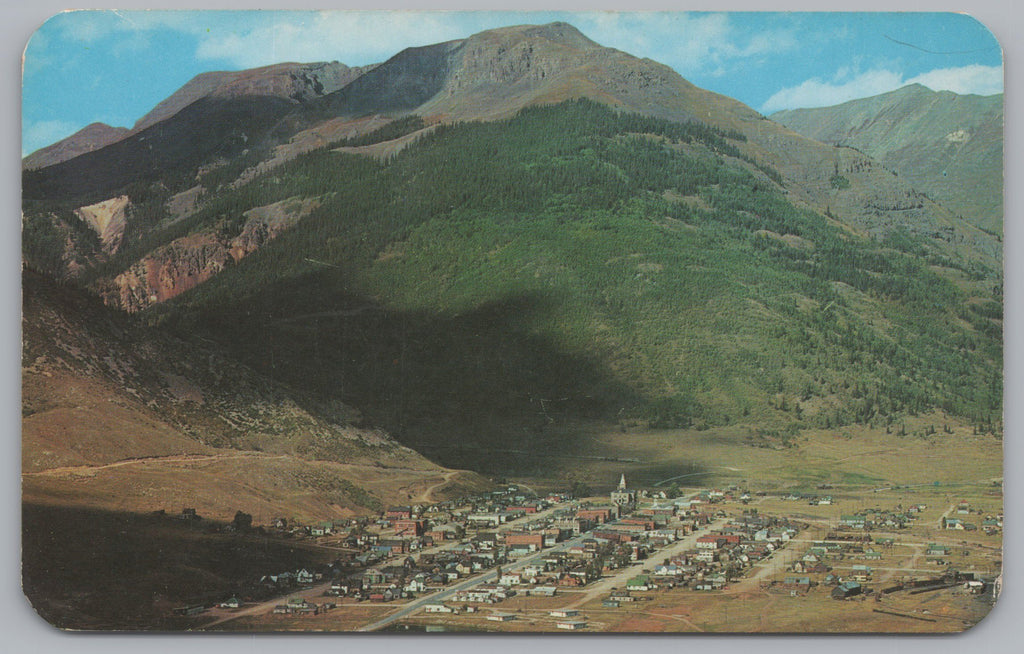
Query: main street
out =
(486, 577)
(600, 586)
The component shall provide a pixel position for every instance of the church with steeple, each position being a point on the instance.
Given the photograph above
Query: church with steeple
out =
(624, 498)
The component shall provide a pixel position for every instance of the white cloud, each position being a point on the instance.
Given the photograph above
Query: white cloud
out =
(977, 79)
(818, 93)
(690, 43)
(41, 133)
(353, 37)
(847, 85)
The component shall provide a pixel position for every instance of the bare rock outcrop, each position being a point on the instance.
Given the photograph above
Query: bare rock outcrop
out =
(109, 219)
(186, 262)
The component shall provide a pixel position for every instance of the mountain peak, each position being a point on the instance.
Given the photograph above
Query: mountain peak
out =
(91, 137)
(292, 81)
(558, 33)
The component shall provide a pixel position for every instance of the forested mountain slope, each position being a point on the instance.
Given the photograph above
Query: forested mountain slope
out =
(490, 240)
(576, 263)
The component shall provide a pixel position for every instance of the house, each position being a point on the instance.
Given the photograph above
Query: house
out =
(231, 603)
(711, 542)
(479, 520)
(510, 579)
(846, 589)
(571, 625)
(501, 617)
(408, 527)
(621, 596)
(417, 584)
(852, 521)
(639, 582)
(610, 604)
(527, 541)
(437, 608)
(394, 546)
(542, 591)
(974, 587)
(596, 515)
(372, 577)
(563, 613)
(398, 513)
(707, 556)
(192, 609)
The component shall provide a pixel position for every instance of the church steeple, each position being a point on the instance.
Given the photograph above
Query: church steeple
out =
(622, 482)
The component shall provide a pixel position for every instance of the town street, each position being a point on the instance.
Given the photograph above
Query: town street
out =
(490, 575)
(620, 577)
(599, 587)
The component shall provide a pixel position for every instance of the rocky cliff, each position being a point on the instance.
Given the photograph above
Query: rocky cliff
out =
(186, 262)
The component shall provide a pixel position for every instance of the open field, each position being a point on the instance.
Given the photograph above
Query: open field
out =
(854, 457)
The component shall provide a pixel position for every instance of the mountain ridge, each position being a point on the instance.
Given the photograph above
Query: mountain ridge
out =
(493, 74)
(91, 137)
(512, 141)
(947, 145)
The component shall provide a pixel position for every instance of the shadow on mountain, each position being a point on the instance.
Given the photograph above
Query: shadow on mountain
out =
(168, 152)
(400, 84)
(480, 390)
(92, 569)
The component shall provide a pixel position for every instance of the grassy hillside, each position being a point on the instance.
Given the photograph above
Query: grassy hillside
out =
(497, 279)
(947, 145)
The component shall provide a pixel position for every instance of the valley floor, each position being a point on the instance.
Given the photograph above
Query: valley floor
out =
(151, 564)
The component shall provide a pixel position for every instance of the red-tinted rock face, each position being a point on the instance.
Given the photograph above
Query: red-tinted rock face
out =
(187, 262)
(169, 271)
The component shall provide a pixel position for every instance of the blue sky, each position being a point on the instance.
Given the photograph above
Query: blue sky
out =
(113, 67)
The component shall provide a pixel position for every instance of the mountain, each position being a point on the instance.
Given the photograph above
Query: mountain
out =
(215, 115)
(493, 244)
(89, 138)
(120, 416)
(491, 76)
(950, 146)
(290, 81)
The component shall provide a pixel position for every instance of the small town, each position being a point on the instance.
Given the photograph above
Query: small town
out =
(511, 560)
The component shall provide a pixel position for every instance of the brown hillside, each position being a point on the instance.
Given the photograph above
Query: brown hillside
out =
(89, 138)
(120, 416)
